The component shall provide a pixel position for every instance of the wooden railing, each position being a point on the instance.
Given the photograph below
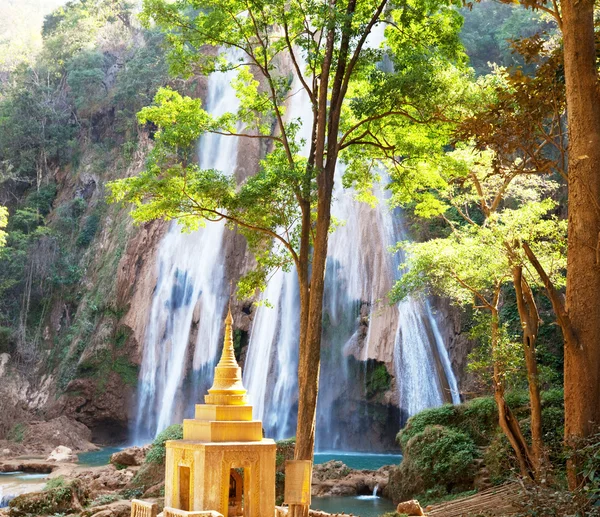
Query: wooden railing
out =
(143, 509)
(174, 512)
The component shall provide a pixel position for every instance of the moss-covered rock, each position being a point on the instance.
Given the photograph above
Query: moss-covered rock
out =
(157, 452)
(478, 418)
(60, 497)
(152, 471)
(436, 457)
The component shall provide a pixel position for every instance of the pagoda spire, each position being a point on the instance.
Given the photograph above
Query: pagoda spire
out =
(227, 388)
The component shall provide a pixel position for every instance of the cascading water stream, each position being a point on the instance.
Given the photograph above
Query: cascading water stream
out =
(360, 272)
(190, 295)
(360, 327)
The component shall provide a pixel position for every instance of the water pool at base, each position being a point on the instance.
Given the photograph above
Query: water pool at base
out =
(97, 458)
(358, 460)
(354, 460)
(362, 506)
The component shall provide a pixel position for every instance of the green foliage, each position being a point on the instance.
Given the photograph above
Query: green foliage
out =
(88, 232)
(444, 415)
(139, 79)
(488, 28)
(157, 452)
(85, 77)
(37, 128)
(57, 482)
(442, 453)
(73, 28)
(127, 370)
(437, 457)
(104, 499)
(17, 433)
(499, 458)
(378, 379)
(132, 493)
(6, 340)
(267, 206)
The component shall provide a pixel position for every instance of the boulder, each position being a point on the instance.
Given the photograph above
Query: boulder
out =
(334, 478)
(116, 509)
(106, 479)
(41, 437)
(62, 455)
(411, 507)
(130, 457)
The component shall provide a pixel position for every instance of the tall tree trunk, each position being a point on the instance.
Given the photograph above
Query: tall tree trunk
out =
(309, 360)
(506, 419)
(582, 361)
(530, 318)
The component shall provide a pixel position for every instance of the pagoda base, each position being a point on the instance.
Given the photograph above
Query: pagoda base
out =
(198, 475)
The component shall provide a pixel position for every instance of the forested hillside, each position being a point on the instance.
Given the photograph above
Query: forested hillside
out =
(68, 126)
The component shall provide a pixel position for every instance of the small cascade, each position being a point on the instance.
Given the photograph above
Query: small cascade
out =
(189, 300)
(375, 488)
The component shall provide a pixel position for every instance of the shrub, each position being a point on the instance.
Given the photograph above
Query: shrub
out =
(499, 459)
(157, 452)
(378, 379)
(480, 419)
(553, 426)
(444, 415)
(56, 482)
(442, 456)
(88, 232)
(554, 397)
(86, 80)
(6, 340)
(104, 499)
(517, 399)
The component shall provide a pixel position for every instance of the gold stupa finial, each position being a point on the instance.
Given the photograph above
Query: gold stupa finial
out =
(227, 388)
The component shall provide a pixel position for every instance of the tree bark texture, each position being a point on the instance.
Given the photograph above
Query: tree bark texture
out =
(530, 319)
(582, 359)
(507, 421)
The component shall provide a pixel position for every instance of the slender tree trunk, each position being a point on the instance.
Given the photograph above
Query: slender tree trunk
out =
(530, 318)
(582, 361)
(506, 419)
(556, 299)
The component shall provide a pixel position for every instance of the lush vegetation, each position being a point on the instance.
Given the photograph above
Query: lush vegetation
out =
(67, 112)
(486, 130)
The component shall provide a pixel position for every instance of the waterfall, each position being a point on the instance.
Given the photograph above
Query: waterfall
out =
(359, 325)
(375, 488)
(190, 296)
(360, 328)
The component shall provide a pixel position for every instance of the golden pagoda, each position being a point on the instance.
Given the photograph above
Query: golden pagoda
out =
(223, 463)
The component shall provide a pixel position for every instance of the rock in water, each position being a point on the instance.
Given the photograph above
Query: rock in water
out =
(62, 454)
(410, 508)
(130, 457)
